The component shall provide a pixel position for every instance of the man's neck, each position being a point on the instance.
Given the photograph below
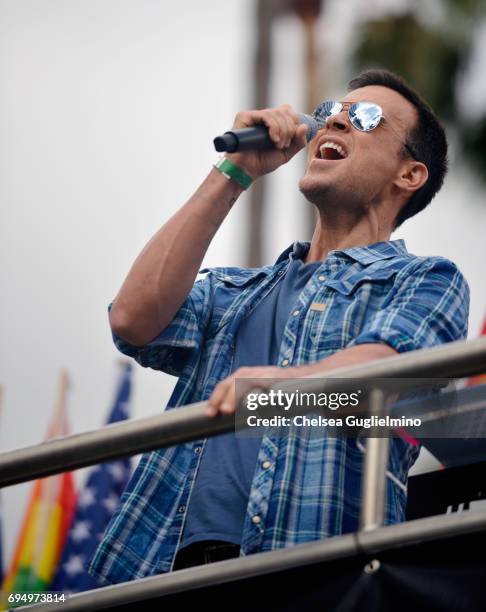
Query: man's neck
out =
(329, 236)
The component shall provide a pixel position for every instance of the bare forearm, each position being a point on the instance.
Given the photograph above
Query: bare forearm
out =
(163, 274)
(345, 358)
(223, 398)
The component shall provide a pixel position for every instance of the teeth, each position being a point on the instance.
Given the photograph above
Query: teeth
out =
(332, 145)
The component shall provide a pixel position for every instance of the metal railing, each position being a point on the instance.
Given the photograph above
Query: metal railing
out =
(339, 547)
(453, 360)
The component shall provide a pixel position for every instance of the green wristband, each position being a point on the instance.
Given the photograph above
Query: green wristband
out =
(230, 171)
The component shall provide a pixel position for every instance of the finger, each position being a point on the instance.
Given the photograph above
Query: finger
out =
(210, 410)
(245, 119)
(228, 403)
(217, 396)
(291, 121)
(275, 125)
(233, 396)
(299, 141)
(241, 388)
(286, 127)
(286, 121)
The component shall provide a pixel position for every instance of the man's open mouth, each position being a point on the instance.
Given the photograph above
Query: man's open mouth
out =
(331, 151)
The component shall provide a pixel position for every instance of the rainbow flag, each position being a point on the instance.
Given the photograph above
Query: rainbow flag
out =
(46, 521)
(97, 501)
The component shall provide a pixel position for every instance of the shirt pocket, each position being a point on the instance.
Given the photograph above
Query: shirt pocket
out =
(366, 282)
(340, 313)
(230, 296)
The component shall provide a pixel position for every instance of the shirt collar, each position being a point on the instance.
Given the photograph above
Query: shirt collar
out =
(297, 250)
(364, 255)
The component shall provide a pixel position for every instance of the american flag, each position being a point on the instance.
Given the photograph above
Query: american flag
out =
(96, 503)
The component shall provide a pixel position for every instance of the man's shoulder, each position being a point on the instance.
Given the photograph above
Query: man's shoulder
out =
(433, 270)
(233, 275)
(437, 263)
(238, 275)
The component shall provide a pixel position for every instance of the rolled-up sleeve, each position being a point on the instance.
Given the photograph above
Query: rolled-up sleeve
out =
(429, 306)
(171, 349)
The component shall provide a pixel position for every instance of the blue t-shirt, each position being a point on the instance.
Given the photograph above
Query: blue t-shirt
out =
(218, 501)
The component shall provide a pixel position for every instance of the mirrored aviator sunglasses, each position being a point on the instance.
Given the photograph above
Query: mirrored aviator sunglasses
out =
(364, 116)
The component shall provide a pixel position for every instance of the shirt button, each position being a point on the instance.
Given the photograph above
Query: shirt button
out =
(322, 277)
(266, 464)
(198, 450)
(256, 519)
(181, 509)
(296, 312)
(285, 362)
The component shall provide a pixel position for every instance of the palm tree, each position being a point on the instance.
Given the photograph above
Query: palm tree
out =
(432, 59)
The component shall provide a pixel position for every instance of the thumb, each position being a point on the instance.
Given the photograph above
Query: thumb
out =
(299, 141)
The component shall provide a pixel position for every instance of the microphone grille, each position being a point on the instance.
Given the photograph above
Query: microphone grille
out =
(313, 126)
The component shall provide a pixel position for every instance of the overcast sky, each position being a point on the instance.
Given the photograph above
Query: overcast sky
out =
(108, 109)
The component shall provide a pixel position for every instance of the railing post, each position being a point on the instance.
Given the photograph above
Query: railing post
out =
(373, 489)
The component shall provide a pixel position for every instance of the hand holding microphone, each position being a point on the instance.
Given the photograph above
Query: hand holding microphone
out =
(262, 140)
(257, 137)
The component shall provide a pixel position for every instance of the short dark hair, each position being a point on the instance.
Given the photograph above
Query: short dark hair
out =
(427, 139)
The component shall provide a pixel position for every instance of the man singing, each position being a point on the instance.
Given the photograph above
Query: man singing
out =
(350, 296)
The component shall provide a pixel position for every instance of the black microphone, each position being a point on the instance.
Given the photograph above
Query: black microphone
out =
(257, 137)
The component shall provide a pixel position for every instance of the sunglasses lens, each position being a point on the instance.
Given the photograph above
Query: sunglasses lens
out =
(365, 116)
(325, 110)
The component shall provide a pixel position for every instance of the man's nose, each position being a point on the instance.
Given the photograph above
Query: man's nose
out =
(338, 122)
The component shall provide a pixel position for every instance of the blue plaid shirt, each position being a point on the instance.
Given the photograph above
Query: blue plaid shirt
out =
(374, 294)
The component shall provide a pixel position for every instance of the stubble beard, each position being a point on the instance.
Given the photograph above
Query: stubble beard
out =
(326, 198)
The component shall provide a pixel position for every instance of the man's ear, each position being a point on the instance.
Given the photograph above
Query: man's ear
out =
(412, 175)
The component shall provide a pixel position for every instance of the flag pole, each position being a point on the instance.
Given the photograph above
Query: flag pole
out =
(47, 516)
